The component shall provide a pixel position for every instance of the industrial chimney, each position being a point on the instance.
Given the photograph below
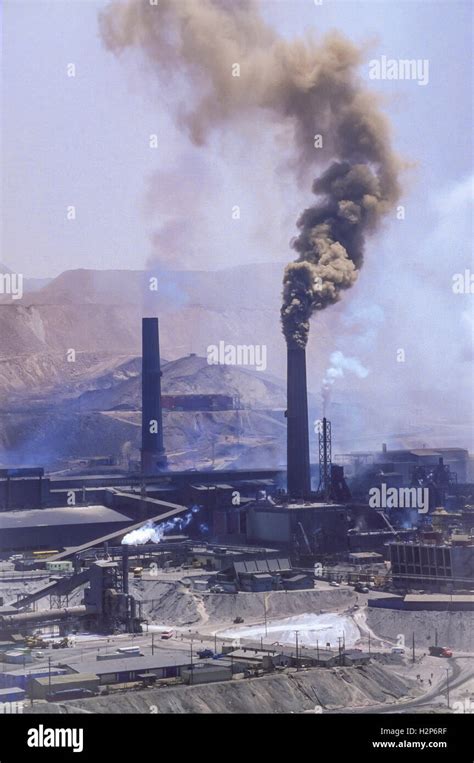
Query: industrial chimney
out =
(299, 480)
(153, 455)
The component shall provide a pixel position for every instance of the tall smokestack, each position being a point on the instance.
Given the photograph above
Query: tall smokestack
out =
(153, 453)
(299, 480)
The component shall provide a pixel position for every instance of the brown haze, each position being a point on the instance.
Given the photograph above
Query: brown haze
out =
(311, 85)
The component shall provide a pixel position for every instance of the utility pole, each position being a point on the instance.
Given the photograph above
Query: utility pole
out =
(339, 638)
(296, 638)
(215, 642)
(436, 637)
(265, 612)
(447, 686)
(413, 647)
(192, 666)
(317, 648)
(49, 675)
(369, 642)
(153, 643)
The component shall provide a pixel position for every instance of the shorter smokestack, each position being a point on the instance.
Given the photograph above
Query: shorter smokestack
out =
(153, 457)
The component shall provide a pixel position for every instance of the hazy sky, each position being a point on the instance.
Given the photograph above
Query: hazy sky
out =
(84, 141)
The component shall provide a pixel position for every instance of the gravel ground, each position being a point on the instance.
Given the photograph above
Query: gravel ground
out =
(326, 689)
(455, 629)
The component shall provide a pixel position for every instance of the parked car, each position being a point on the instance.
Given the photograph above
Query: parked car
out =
(440, 651)
(167, 634)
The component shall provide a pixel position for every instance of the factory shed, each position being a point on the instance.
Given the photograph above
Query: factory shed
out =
(41, 688)
(439, 601)
(314, 526)
(23, 678)
(12, 694)
(255, 659)
(353, 658)
(255, 575)
(311, 658)
(256, 581)
(167, 664)
(57, 528)
(298, 582)
(282, 656)
(207, 673)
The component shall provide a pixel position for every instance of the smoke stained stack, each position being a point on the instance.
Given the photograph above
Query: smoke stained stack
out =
(299, 480)
(153, 459)
(300, 84)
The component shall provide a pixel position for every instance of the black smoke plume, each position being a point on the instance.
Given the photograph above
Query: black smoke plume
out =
(311, 86)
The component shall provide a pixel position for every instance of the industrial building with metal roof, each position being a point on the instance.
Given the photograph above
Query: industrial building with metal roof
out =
(166, 664)
(58, 527)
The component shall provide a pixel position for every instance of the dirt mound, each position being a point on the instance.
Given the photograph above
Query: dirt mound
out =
(250, 606)
(453, 629)
(166, 603)
(169, 603)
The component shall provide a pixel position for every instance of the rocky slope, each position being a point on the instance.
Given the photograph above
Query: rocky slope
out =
(311, 690)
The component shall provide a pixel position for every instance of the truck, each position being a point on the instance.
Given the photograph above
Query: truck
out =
(135, 650)
(440, 651)
(36, 641)
(205, 653)
(62, 644)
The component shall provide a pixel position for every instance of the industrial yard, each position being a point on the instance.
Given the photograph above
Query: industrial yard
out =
(236, 422)
(318, 650)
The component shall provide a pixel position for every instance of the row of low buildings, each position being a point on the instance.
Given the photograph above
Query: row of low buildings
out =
(94, 676)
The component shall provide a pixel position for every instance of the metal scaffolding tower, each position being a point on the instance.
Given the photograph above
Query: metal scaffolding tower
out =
(325, 457)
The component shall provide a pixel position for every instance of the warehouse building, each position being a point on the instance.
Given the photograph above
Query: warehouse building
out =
(256, 575)
(436, 566)
(23, 487)
(273, 656)
(309, 527)
(402, 463)
(165, 664)
(11, 700)
(47, 687)
(22, 678)
(57, 528)
(207, 673)
(439, 601)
